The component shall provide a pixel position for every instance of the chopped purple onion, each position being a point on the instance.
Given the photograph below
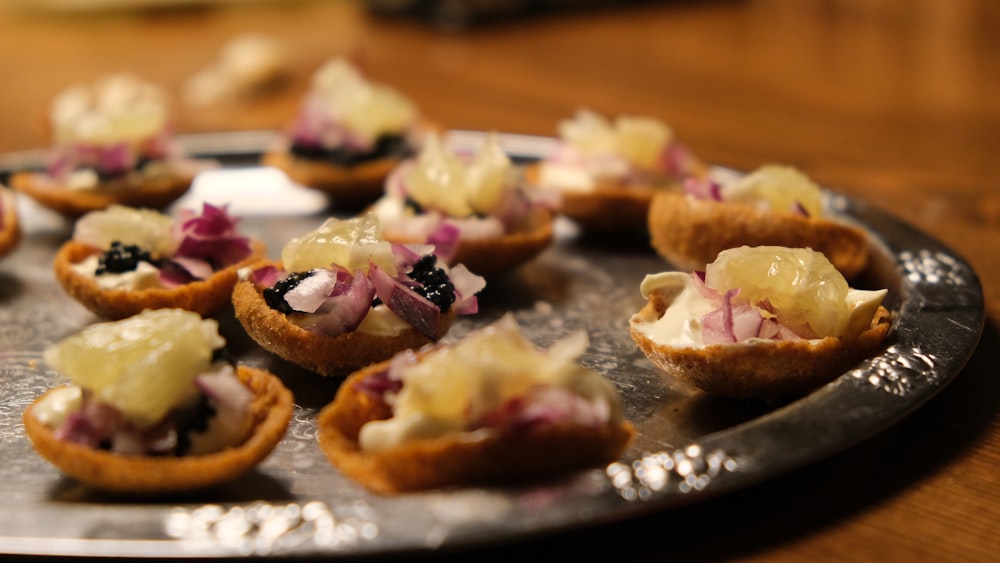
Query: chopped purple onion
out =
(210, 235)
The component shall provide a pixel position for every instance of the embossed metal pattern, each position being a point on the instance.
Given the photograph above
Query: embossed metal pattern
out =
(689, 447)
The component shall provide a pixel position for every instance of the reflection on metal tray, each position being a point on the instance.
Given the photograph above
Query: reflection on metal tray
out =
(690, 446)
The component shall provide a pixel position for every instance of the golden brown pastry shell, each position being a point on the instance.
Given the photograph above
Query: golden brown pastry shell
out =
(10, 226)
(610, 207)
(205, 297)
(150, 475)
(453, 460)
(763, 369)
(349, 186)
(691, 232)
(152, 193)
(325, 355)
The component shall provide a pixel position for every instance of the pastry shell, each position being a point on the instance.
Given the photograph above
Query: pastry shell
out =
(611, 206)
(206, 297)
(153, 193)
(10, 227)
(767, 369)
(349, 186)
(457, 459)
(150, 475)
(325, 355)
(690, 232)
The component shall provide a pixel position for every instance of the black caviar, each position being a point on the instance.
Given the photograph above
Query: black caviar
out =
(434, 282)
(195, 420)
(121, 258)
(385, 146)
(223, 355)
(275, 296)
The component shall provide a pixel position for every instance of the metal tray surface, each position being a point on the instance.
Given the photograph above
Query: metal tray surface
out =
(690, 446)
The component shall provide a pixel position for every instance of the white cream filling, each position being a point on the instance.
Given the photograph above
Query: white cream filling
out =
(145, 275)
(381, 321)
(401, 222)
(229, 427)
(582, 173)
(85, 179)
(566, 177)
(681, 324)
(53, 409)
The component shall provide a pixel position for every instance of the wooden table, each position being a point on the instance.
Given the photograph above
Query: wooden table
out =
(896, 102)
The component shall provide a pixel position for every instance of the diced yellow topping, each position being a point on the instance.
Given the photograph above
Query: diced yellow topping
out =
(149, 229)
(349, 243)
(366, 108)
(780, 188)
(144, 365)
(450, 386)
(442, 180)
(116, 109)
(807, 293)
(640, 140)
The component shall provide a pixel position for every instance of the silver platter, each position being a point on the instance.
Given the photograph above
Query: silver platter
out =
(690, 446)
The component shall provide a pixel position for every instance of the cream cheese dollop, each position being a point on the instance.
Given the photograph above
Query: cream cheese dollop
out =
(57, 405)
(144, 276)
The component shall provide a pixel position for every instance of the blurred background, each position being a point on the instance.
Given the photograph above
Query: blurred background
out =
(855, 92)
(736, 77)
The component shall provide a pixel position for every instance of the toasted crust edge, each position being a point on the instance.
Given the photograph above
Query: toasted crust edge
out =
(690, 233)
(491, 257)
(272, 408)
(10, 231)
(768, 370)
(350, 186)
(325, 355)
(205, 297)
(457, 460)
(610, 207)
(153, 193)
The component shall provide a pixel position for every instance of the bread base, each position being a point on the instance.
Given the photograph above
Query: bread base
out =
(495, 458)
(691, 232)
(148, 475)
(205, 297)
